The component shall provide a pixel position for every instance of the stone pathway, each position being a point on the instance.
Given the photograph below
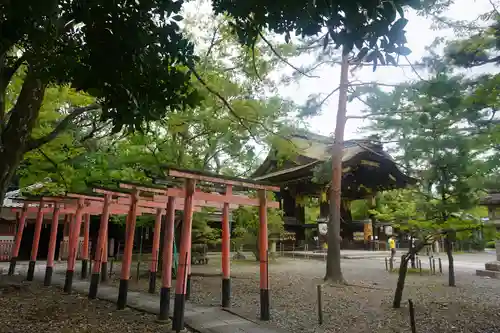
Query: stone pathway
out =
(199, 318)
(344, 254)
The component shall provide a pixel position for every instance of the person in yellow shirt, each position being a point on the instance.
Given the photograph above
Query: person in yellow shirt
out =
(392, 246)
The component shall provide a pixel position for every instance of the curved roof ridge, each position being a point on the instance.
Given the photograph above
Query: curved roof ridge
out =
(305, 134)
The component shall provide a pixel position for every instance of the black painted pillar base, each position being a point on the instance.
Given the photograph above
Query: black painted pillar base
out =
(188, 286)
(68, 281)
(94, 283)
(104, 272)
(85, 268)
(31, 270)
(226, 293)
(178, 317)
(122, 294)
(48, 276)
(12, 265)
(264, 304)
(164, 304)
(152, 282)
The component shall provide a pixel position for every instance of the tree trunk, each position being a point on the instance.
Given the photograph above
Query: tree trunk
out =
(14, 136)
(398, 295)
(451, 267)
(333, 268)
(412, 258)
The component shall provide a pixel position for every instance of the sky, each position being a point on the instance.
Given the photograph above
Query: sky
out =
(419, 35)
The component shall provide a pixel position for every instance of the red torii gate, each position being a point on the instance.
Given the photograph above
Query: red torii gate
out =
(131, 203)
(133, 200)
(190, 194)
(73, 205)
(192, 197)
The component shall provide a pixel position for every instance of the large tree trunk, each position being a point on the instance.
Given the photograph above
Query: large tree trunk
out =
(16, 134)
(451, 267)
(333, 269)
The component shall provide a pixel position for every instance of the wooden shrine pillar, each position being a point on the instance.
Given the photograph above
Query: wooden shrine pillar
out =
(104, 259)
(264, 257)
(226, 250)
(17, 242)
(127, 253)
(294, 214)
(167, 256)
(85, 248)
(52, 246)
(73, 246)
(36, 242)
(300, 217)
(185, 258)
(103, 227)
(156, 248)
(66, 231)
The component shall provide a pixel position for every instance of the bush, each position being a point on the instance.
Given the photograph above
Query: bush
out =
(490, 244)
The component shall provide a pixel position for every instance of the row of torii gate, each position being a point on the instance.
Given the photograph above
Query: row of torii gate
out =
(136, 199)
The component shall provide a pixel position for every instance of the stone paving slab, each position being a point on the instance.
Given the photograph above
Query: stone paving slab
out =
(199, 318)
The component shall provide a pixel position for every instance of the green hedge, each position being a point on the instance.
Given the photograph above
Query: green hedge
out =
(490, 245)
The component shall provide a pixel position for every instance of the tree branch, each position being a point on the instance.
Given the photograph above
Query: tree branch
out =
(253, 60)
(212, 45)
(235, 115)
(222, 99)
(487, 61)
(51, 161)
(328, 96)
(12, 69)
(283, 59)
(35, 143)
(354, 84)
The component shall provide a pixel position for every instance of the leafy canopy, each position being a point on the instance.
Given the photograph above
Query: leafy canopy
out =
(129, 55)
(364, 25)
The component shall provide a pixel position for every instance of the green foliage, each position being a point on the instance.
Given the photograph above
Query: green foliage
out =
(128, 55)
(360, 209)
(445, 130)
(435, 124)
(398, 206)
(490, 244)
(370, 27)
(312, 211)
(247, 225)
(202, 233)
(206, 137)
(480, 47)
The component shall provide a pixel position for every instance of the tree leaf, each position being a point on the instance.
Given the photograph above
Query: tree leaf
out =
(371, 57)
(362, 54)
(399, 25)
(380, 57)
(403, 50)
(390, 59)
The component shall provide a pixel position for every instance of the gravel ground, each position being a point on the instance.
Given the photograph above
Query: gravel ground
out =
(363, 306)
(30, 307)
